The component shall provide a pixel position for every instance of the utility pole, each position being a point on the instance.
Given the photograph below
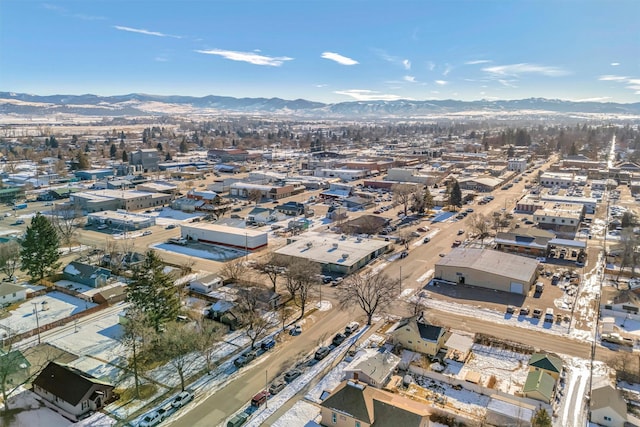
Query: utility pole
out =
(401, 279)
(266, 387)
(35, 309)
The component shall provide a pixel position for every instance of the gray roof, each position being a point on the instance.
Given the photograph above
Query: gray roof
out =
(429, 332)
(349, 398)
(10, 288)
(494, 262)
(608, 396)
(377, 365)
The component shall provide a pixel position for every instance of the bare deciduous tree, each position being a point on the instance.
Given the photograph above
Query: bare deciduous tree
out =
(254, 196)
(235, 271)
(254, 319)
(66, 219)
(10, 258)
(300, 277)
(480, 224)
(210, 334)
(273, 267)
(178, 346)
(403, 194)
(372, 294)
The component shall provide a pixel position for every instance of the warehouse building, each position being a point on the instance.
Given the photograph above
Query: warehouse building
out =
(242, 238)
(336, 254)
(489, 269)
(111, 200)
(121, 220)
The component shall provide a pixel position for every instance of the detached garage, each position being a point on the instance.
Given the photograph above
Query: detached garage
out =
(488, 269)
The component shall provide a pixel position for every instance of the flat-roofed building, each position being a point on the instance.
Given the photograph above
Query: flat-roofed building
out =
(235, 237)
(489, 269)
(556, 179)
(111, 200)
(517, 164)
(336, 254)
(560, 217)
(275, 192)
(121, 220)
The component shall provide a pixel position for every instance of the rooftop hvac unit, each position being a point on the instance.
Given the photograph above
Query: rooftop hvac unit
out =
(345, 256)
(335, 246)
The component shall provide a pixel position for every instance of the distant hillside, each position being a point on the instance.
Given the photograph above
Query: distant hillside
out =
(143, 105)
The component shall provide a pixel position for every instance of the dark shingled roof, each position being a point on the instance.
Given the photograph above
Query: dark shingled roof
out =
(429, 332)
(66, 383)
(351, 399)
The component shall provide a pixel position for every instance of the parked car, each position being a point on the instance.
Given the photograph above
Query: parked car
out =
(524, 311)
(404, 254)
(460, 232)
(338, 339)
(152, 418)
(238, 419)
(296, 330)
(244, 359)
(321, 353)
(170, 227)
(277, 387)
(182, 399)
(147, 233)
(456, 243)
(537, 313)
(268, 344)
(292, 375)
(426, 240)
(259, 399)
(351, 328)
(511, 309)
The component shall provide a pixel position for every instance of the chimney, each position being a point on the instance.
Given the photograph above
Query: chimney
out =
(355, 376)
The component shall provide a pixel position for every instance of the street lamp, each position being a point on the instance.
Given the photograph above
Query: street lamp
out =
(35, 309)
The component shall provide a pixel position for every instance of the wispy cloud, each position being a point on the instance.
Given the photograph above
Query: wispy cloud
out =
(596, 99)
(161, 58)
(525, 68)
(64, 12)
(431, 65)
(406, 64)
(611, 78)
(478, 61)
(447, 70)
(631, 82)
(441, 82)
(340, 59)
(615, 64)
(507, 83)
(143, 31)
(410, 79)
(250, 57)
(321, 85)
(369, 95)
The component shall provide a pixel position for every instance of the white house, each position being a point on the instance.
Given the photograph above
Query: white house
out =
(372, 366)
(206, 284)
(608, 407)
(10, 293)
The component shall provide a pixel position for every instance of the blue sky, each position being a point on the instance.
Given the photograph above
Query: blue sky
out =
(328, 51)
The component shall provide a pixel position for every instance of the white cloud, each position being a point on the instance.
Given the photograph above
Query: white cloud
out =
(369, 95)
(338, 58)
(615, 64)
(525, 68)
(321, 85)
(441, 82)
(447, 70)
(143, 31)
(250, 57)
(431, 65)
(410, 79)
(406, 64)
(611, 78)
(507, 83)
(478, 61)
(161, 58)
(596, 99)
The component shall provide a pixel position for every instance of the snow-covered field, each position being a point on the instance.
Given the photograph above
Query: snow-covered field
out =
(57, 304)
(509, 368)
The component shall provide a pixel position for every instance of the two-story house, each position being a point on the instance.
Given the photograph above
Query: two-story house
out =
(415, 334)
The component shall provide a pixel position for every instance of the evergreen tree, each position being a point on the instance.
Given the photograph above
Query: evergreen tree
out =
(83, 161)
(184, 147)
(39, 254)
(427, 199)
(113, 151)
(125, 157)
(159, 147)
(541, 419)
(153, 293)
(455, 194)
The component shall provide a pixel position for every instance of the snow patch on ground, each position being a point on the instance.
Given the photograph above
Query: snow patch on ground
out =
(301, 414)
(324, 305)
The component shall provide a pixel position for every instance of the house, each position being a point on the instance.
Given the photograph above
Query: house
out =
(548, 363)
(10, 293)
(291, 208)
(221, 312)
(539, 385)
(608, 407)
(86, 274)
(206, 284)
(415, 334)
(353, 403)
(260, 215)
(71, 392)
(622, 304)
(372, 366)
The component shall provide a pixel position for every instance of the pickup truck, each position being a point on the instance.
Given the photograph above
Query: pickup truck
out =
(178, 241)
(617, 339)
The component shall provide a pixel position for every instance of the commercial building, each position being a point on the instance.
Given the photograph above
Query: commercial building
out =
(556, 179)
(121, 220)
(105, 200)
(344, 174)
(483, 184)
(489, 269)
(94, 174)
(275, 192)
(560, 217)
(528, 241)
(242, 238)
(517, 164)
(147, 158)
(336, 254)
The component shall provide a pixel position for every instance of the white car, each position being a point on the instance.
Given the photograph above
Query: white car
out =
(147, 233)
(541, 259)
(182, 399)
(152, 418)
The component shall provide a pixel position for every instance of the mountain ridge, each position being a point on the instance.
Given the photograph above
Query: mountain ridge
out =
(149, 104)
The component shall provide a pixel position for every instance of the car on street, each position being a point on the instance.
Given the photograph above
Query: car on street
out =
(268, 344)
(276, 387)
(524, 311)
(152, 418)
(541, 259)
(170, 227)
(423, 229)
(426, 240)
(456, 243)
(296, 330)
(321, 353)
(182, 399)
(338, 339)
(244, 359)
(147, 233)
(404, 254)
(351, 328)
(511, 309)
(460, 232)
(292, 375)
